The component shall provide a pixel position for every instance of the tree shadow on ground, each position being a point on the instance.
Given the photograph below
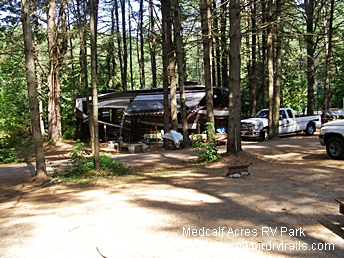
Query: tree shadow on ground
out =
(285, 197)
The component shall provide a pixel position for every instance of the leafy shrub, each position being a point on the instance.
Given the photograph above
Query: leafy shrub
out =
(81, 166)
(69, 133)
(78, 154)
(15, 140)
(8, 155)
(206, 149)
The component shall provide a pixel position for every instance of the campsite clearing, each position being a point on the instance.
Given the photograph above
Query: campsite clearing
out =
(171, 206)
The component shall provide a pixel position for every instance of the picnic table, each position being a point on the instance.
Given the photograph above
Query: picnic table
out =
(153, 136)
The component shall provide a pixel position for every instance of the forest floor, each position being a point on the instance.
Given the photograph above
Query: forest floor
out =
(170, 206)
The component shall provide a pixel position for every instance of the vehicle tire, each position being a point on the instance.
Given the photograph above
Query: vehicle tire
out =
(310, 130)
(335, 148)
(264, 135)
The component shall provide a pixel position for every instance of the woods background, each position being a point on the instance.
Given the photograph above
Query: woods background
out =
(291, 53)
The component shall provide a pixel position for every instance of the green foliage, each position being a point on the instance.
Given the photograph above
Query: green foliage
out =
(14, 104)
(82, 166)
(78, 154)
(9, 148)
(69, 132)
(206, 149)
(8, 155)
(68, 96)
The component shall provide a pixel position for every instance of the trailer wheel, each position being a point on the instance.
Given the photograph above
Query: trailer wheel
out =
(310, 129)
(335, 148)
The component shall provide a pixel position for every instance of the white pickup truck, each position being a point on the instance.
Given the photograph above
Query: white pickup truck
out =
(332, 136)
(258, 127)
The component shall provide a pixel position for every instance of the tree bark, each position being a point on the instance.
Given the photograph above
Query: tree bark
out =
(253, 68)
(142, 51)
(153, 44)
(207, 57)
(54, 114)
(328, 47)
(278, 81)
(94, 76)
(248, 57)
(264, 57)
(309, 8)
(179, 50)
(224, 50)
(38, 75)
(216, 49)
(130, 49)
(273, 133)
(31, 84)
(234, 115)
(125, 48)
(166, 50)
(81, 20)
(119, 45)
(110, 53)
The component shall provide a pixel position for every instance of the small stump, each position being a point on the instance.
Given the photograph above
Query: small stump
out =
(237, 170)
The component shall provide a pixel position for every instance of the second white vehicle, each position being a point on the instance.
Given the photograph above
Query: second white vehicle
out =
(258, 127)
(332, 136)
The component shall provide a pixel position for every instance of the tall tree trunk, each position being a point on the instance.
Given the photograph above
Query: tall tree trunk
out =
(38, 75)
(273, 133)
(142, 51)
(309, 8)
(207, 57)
(113, 48)
(173, 77)
(277, 86)
(253, 74)
(83, 79)
(153, 44)
(125, 48)
(234, 115)
(224, 58)
(166, 49)
(179, 50)
(264, 57)
(248, 57)
(119, 45)
(110, 54)
(54, 115)
(31, 84)
(173, 92)
(93, 39)
(217, 63)
(130, 49)
(328, 47)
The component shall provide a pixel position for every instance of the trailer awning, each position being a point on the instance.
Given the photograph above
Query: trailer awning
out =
(153, 104)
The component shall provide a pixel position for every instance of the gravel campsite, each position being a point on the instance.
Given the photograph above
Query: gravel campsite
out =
(171, 206)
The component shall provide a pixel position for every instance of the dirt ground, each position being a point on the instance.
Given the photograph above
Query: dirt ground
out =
(172, 207)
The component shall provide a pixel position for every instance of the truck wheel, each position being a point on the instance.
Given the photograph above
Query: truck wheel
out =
(264, 135)
(335, 148)
(310, 129)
